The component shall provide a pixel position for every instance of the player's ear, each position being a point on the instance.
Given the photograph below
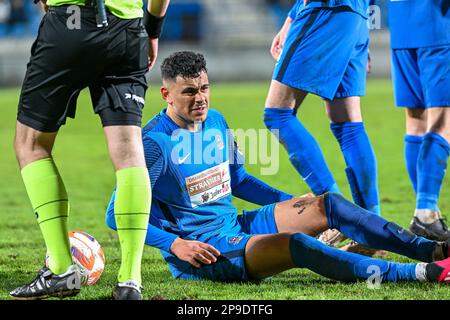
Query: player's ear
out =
(165, 94)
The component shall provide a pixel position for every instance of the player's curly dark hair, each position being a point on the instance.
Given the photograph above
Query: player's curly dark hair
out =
(186, 64)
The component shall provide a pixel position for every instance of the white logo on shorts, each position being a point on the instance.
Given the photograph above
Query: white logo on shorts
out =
(134, 98)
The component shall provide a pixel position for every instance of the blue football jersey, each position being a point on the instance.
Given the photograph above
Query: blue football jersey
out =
(192, 196)
(359, 6)
(419, 23)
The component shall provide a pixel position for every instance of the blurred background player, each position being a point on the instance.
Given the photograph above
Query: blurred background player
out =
(112, 61)
(322, 48)
(420, 41)
(188, 147)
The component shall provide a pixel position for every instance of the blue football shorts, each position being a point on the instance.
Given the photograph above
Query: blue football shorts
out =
(230, 266)
(326, 53)
(421, 77)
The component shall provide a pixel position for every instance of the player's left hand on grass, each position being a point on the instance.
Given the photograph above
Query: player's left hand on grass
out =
(195, 252)
(152, 52)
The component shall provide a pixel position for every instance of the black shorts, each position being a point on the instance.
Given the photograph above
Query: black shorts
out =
(111, 61)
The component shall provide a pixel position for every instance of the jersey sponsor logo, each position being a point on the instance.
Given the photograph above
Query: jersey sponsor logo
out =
(134, 97)
(209, 185)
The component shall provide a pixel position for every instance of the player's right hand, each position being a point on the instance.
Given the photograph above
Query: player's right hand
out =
(280, 38)
(195, 252)
(152, 52)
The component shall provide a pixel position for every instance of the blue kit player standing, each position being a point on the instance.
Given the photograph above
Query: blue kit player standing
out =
(420, 40)
(195, 168)
(323, 49)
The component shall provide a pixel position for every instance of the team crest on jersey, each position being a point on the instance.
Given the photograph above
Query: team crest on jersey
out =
(209, 185)
(235, 240)
(219, 141)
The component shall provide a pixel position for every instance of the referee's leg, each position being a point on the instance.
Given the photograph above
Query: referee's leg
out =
(133, 198)
(50, 204)
(46, 192)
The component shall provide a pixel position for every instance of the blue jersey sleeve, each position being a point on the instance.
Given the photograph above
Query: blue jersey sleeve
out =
(159, 238)
(251, 189)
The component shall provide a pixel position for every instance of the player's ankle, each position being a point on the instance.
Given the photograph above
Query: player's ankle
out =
(427, 216)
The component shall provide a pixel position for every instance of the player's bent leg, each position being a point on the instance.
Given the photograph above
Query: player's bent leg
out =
(431, 168)
(302, 214)
(267, 255)
(303, 150)
(132, 205)
(348, 128)
(373, 231)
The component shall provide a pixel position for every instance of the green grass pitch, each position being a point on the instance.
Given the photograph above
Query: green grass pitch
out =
(81, 155)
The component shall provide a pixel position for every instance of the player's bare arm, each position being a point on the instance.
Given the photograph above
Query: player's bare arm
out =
(154, 17)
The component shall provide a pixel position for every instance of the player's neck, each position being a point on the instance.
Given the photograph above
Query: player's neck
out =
(181, 122)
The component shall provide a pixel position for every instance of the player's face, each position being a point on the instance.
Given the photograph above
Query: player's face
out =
(188, 99)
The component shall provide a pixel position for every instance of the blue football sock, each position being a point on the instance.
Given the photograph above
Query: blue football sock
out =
(412, 148)
(372, 230)
(431, 167)
(304, 152)
(361, 163)
(308, 252)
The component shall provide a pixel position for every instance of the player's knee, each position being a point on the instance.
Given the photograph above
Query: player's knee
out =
(125, 146)
(441, 130)
(333, 204)
(274, 118)
(28, 150)
(127, 155)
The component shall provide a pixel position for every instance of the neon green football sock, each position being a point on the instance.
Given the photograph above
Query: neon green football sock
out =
(50, 204)
(132, 210)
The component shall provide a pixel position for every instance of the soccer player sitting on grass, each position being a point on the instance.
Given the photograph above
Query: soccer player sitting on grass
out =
(201, 235)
